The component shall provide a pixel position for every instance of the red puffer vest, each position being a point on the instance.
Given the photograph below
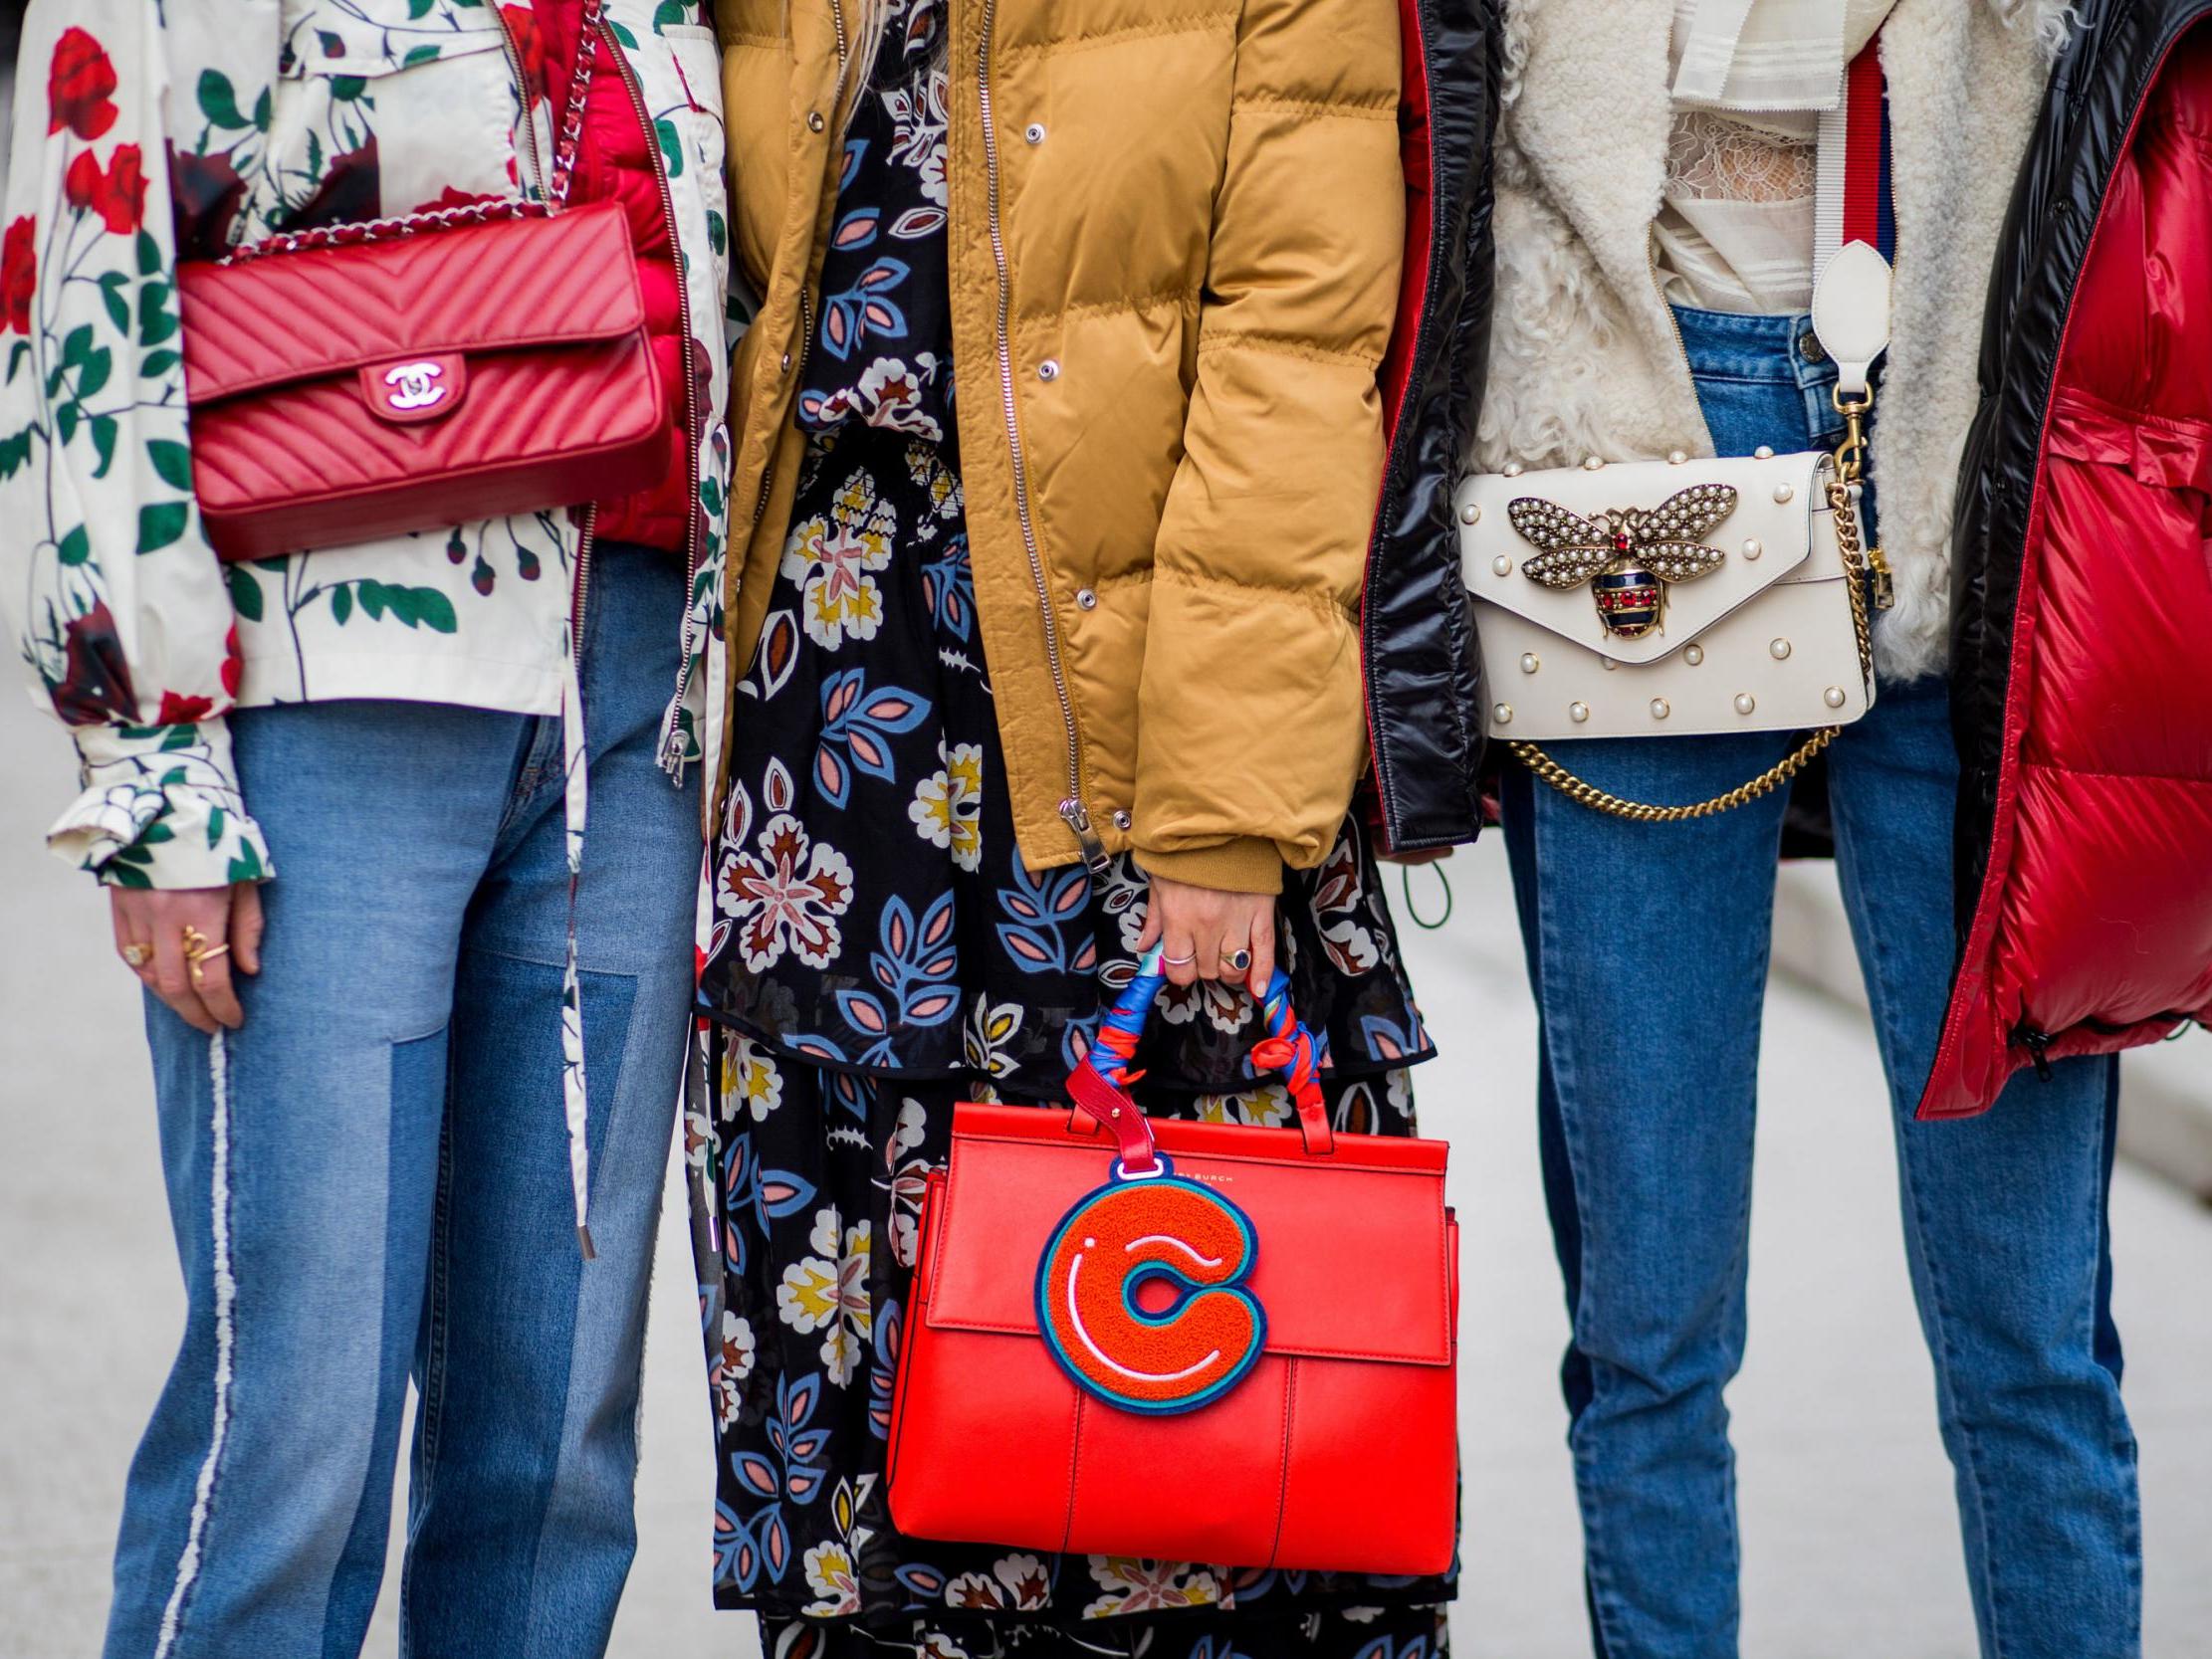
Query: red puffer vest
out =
(619, 158)
(2082, 667)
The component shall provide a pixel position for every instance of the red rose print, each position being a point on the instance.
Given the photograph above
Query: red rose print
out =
(80, 87)
(529, 46)
(184, 710)
(123, 200)
(234, 663)
(118, 195)
(19, 277)
(80, 184)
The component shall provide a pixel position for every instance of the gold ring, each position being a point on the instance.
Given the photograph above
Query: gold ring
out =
(137, 954)
(198, 954)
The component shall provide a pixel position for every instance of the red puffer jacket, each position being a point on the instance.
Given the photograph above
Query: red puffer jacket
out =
(2082, 669)
(621, 159)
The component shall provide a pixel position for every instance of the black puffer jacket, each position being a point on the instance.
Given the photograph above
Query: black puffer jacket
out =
(2082, 591)
(1424, 669)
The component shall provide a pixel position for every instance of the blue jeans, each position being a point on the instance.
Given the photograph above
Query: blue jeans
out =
(1646, 1152)
(369, 1179)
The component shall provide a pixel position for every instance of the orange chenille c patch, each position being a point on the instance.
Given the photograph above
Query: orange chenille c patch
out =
(1149, 1235)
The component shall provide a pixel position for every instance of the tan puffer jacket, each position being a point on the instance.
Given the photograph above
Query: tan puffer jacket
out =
(1176, 236)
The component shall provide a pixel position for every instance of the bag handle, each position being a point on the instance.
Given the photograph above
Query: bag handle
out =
(1099, 1086)
(568, 143)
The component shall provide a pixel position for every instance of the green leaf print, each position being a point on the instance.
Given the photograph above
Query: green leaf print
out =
(247, 867)
(104, 443)
(15, 452)
(219, 102)
(419, 9)
(162, 523)
(66, 417)
(18, 355)
(342, 606)
(157, 322)
(149, 253)
(172, 461)
(622, 34)
(344, 88)
(263, 108)
(215, 821)
(410, 607)
(94, 376)
(111, 284)
(76, 347)
(420, 55)
(123, 874)
(672, 148)
(668, 11)
(245, 592)
(158, 363)
(74, 547)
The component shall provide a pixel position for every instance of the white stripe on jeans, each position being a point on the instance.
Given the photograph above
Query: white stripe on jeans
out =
(226, 1295)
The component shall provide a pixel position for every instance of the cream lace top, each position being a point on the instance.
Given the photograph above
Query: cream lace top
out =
(1734, 231)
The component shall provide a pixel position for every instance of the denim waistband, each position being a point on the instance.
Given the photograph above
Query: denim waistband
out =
(1780, 351)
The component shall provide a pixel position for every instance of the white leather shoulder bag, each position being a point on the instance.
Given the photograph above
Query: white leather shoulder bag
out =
(1680, 597)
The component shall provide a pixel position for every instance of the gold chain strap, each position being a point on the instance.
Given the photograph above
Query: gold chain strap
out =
(1585, 793)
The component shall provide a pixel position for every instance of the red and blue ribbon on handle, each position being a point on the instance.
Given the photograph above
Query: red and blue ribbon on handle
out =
(1099, 1085)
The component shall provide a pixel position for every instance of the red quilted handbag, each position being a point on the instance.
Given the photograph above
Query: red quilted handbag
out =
(405, 374)
(1182, 1341)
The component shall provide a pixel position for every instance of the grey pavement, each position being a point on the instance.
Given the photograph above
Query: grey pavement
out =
(1850, 1544)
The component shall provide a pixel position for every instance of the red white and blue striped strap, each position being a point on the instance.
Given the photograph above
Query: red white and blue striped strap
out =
(1853, 202)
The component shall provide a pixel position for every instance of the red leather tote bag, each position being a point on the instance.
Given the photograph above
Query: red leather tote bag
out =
(406, 374)
(1182, 1341)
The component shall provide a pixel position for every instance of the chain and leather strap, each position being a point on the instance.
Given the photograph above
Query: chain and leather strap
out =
(1859, 563)
(488, 211)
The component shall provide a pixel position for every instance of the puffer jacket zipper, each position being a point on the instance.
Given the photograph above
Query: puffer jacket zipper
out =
(1073, 811)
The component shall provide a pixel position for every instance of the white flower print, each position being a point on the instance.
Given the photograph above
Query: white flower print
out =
(1227, 1004)
(1264, 1108)
(1141, 1586)
(831, 1574)
(1014, 1584)
(785, 892)
(752, 1083)
(733, 1364)
(829, 1292)
(907, 1179)
(948, 805)
(889, 395)
(831, 560)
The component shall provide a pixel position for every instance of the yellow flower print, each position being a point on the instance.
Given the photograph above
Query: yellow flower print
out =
(751, 1082)
(831, 559)
(829, 1292)
(948, 805)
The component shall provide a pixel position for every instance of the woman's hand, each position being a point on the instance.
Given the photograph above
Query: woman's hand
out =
(150, 926)
(1201, 927)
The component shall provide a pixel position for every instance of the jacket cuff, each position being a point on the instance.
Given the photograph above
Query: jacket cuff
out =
(1247, 864)
(160, 808)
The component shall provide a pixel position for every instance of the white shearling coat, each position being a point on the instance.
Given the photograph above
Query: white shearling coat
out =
(1584, 356)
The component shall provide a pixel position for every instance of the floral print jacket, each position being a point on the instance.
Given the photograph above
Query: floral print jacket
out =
(147, 132)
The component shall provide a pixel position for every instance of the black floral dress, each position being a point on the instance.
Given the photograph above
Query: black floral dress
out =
(879, 953)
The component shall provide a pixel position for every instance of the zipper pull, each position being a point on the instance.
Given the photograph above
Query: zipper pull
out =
(2038, 1045)
(1078, 819)
(1885, 584)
